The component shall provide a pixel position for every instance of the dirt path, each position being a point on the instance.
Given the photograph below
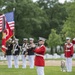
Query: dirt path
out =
(56, 63)
(48, 62)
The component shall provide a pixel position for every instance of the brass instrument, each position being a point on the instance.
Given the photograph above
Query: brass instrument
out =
(29, 46)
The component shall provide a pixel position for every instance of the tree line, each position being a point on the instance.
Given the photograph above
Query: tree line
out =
(46, 18)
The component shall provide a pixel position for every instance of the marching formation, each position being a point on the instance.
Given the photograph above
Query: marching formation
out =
(35, 53)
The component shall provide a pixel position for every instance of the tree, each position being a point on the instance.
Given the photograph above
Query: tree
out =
(69, 24)
(53, 40)
(55, 12)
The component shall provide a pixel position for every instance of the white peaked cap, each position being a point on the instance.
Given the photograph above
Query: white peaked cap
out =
(25, 39)
(41, 38)
(74, 39)
(31, 39)
(68, 38)
(16, 39)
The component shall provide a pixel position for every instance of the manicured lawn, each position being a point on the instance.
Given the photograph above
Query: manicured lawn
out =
(51, 70)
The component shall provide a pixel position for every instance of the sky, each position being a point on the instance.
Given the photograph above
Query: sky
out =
(61, 1)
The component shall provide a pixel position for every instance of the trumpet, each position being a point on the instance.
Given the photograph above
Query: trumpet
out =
(31, 46)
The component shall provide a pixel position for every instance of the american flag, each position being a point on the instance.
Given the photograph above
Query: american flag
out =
(10, 19)
(1, 22)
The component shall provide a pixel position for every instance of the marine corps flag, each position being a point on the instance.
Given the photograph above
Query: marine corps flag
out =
(9, 32)
(4, 41)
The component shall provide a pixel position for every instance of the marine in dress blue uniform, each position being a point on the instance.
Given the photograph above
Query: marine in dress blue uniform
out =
(16, 52)
(24, 49)
(31, 53)
(9, 46)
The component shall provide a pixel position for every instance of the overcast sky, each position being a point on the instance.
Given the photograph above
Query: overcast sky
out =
(62, 1)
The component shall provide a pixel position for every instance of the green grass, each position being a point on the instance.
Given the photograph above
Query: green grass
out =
(48, 71)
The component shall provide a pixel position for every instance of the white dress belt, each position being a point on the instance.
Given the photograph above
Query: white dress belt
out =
(39, 55)
(67, 50)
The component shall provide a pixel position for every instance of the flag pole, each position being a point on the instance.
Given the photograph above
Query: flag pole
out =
(14, 27)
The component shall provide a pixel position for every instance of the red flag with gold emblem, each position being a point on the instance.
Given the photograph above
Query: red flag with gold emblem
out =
(4, 41)
(9, 32)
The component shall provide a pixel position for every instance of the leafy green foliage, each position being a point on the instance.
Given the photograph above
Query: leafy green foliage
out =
(69, 25)
(54, 39)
